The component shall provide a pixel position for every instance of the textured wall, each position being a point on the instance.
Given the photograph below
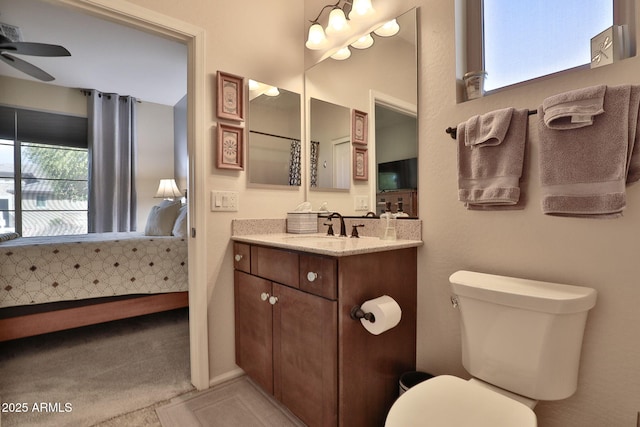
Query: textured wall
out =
(598, 253)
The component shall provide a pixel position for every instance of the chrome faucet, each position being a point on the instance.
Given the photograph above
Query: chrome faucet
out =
(343, 228)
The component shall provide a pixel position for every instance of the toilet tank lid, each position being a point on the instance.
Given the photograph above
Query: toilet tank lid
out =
(523, 293)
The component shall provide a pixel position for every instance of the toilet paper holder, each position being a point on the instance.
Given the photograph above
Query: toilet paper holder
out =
(357, 313)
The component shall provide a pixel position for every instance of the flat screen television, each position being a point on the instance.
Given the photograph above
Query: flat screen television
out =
(398, 175)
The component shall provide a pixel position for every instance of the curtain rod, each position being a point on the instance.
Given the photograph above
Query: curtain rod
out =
(87, 92)
(275, 136)
(453, 131)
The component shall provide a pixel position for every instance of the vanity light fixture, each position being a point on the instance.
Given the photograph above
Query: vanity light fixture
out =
(256, 89)
(338, 22)
(272, 91)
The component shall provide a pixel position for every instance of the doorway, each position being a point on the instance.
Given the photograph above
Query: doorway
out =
(154, 23)
(396, 155)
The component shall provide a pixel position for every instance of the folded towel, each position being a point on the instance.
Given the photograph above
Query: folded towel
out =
(574, 109)
(489, 175)
(633, 152)
(583, 169)
(488, 129)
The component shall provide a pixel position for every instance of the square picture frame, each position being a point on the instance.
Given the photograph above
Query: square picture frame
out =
(230, 150)
(359, 127)
(360, 164)
(230, 100)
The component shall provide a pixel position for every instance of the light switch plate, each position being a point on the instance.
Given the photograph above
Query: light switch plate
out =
(361, 203)
(224, 201)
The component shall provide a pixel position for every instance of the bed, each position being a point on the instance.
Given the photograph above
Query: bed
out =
(49, 284)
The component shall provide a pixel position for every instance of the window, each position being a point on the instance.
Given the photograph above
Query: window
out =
(43, 173)
(516, 41)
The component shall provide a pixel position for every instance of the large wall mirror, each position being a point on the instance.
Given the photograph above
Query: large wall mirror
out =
(381, 81)
(274, 148)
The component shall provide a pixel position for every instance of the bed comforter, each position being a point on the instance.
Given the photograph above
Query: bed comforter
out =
(37, 270)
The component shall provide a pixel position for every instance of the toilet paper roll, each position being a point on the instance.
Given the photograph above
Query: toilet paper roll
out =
(387, 313)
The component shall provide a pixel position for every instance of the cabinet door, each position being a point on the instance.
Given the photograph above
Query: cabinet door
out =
(305, 355)
(254, 328)
(242, 257)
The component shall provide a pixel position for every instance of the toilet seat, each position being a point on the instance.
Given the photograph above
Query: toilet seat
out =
(448, 401)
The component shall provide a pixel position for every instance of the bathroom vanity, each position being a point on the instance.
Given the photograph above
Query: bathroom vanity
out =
(295, 336)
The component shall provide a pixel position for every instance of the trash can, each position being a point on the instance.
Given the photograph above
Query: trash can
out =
(410, 379)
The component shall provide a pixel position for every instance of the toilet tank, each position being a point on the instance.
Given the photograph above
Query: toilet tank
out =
(522, 335)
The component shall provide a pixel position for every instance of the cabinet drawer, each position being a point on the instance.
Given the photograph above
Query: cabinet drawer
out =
(275, 264)
(318, 275)
(242, 257)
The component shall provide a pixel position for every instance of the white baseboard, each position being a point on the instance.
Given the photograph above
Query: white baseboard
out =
(238, 372)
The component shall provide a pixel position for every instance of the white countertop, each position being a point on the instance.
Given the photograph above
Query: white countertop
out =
(320, 243)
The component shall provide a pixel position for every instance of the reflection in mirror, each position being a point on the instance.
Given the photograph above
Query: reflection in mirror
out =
(274, 146)
(330, 145)
(381, 81)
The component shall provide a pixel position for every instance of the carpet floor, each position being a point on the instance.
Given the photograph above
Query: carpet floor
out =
(236, 403)
(91, 375)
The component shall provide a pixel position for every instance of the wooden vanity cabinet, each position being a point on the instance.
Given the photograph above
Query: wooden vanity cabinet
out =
(299, 343)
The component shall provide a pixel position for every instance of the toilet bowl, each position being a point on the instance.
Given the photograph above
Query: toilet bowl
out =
(521, 342)
(448, 401)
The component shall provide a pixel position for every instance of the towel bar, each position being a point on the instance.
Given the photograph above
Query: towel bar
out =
(453, 131)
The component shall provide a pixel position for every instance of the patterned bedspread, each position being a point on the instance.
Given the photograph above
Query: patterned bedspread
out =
(36, 270)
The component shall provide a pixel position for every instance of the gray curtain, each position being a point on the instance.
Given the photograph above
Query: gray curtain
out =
(112, 162)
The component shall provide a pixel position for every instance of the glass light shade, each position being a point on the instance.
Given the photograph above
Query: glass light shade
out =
(363, 42)
(360, 9)
(342, 54)
(389, 29)
(272, 91)
(337, 22)
(316, 39)
(168, 189)
(253, 85)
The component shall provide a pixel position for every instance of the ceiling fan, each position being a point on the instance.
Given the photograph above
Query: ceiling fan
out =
(8, 46)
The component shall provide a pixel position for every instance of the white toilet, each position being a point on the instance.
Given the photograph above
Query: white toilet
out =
(521, 342)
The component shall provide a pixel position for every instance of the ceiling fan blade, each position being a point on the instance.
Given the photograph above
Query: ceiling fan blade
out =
(34, 49)
(26, 67)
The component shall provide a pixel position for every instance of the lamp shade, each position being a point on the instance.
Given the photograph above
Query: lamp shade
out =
(316, 38)
(388, 29)
(168, 189)
(342, 54)
(363, 42)
(337, 21)
(360, 9)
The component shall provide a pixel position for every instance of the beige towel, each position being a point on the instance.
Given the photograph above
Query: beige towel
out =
(574, 109)
(487, 129)
(489, 175)
(633, 151)
(583, 169)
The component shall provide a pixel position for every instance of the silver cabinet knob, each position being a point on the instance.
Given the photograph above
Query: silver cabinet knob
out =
(311, 276)
(264, 296)
(273, 300)
(238, 257)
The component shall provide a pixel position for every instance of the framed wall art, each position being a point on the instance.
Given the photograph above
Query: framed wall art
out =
(230, 147)
(230, 103)
(360, 164)
(359, 127)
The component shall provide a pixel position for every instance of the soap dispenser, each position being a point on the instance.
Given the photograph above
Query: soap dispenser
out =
(401, 213)
(388, 224)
